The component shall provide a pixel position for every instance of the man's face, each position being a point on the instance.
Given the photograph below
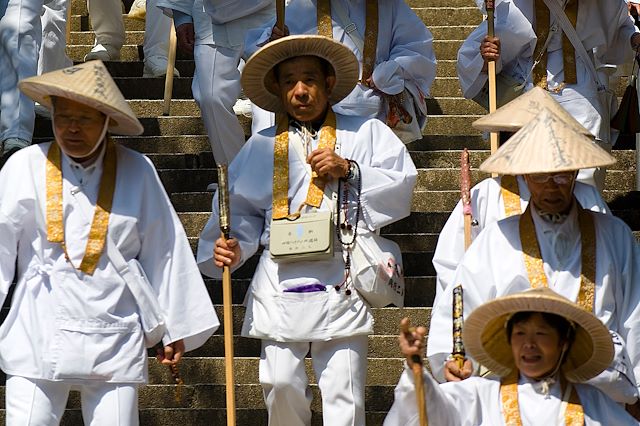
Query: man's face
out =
(304, 88)
(536, 346)
(551, 192)
(78, 127)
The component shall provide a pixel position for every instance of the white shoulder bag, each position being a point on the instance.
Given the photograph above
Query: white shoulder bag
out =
(374, 262)
(606, 96)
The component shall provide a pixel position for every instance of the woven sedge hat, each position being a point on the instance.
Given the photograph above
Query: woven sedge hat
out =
(485, 335)
(90, 84)
(520, 111)
(547, 144)
(258, 78)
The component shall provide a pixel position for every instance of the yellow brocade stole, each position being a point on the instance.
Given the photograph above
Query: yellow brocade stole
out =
(542, 16)
(327, 139)
(534, 263)
(574, 414)
(55, 216)
(325, 28)
(510, 195)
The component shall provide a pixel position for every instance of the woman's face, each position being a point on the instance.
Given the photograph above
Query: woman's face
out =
(536, 346)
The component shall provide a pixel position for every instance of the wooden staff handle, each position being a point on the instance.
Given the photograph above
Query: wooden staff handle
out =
(491, 72)
(416, 368)
(171, 63)
(228, 346)
(280, 14)
(420, 399)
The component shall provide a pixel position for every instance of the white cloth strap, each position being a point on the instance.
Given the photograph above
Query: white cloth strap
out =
(148, 305)
(573, 37)
(349, 27)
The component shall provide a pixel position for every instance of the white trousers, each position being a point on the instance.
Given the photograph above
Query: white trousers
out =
(215, 87)
(20, 37)
(106, 20)
(32, 402)
(340, 366)
(54, 37)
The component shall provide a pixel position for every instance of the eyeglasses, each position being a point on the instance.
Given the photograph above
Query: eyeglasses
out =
(81, 121)
(558, 178)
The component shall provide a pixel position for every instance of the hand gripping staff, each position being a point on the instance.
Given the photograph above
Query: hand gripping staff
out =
(225, 227)
(491, 71)
(418, 380)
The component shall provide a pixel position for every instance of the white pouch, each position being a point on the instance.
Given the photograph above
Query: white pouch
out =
(308, 237)
(376, 270)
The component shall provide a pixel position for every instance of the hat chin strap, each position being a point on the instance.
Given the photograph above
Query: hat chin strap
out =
(549, 379)
(98, 144)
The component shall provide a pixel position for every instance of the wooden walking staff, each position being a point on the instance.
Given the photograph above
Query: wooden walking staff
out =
(458, 354)
(280, 14)
(465, 196)
(417, 378)
(225, 228)
(491, 72)
(171, 63)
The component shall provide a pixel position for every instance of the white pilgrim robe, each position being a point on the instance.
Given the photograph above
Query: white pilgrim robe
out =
(487, 206)
(477, 401)
(67, 325)
(404, 59)
(494, 267)
(388, 177)
(604, 28)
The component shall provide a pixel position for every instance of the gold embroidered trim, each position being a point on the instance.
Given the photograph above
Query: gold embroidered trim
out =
(327, 139)
(586, 296)
(568, 51)
(509, 398)
(535, 265)
(510, 195)
(574, 414)
(280, 203)
(325, 26)
(100, 224)
(370, 40)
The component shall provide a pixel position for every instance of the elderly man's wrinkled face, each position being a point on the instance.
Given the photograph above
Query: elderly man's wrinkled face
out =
(304, 87)
(78, 127)
(552, 192)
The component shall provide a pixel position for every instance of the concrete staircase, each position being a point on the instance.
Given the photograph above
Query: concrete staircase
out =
(179, 148)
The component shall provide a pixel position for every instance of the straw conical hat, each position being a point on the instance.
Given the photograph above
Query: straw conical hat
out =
(90, 84)
(547, 144)
(485, 336)
(517, 113)
(258, 78)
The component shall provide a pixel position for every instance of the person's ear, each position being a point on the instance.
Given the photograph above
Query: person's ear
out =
(330, 82)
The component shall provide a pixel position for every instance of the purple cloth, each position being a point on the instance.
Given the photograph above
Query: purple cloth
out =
(307, 288)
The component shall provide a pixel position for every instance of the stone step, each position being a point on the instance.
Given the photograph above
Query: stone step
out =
(431, 16)
(136, 38)
(449, 16)
(626, 159)
(444, 49)
(79, 7)
(432, 179)
(205, 417)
